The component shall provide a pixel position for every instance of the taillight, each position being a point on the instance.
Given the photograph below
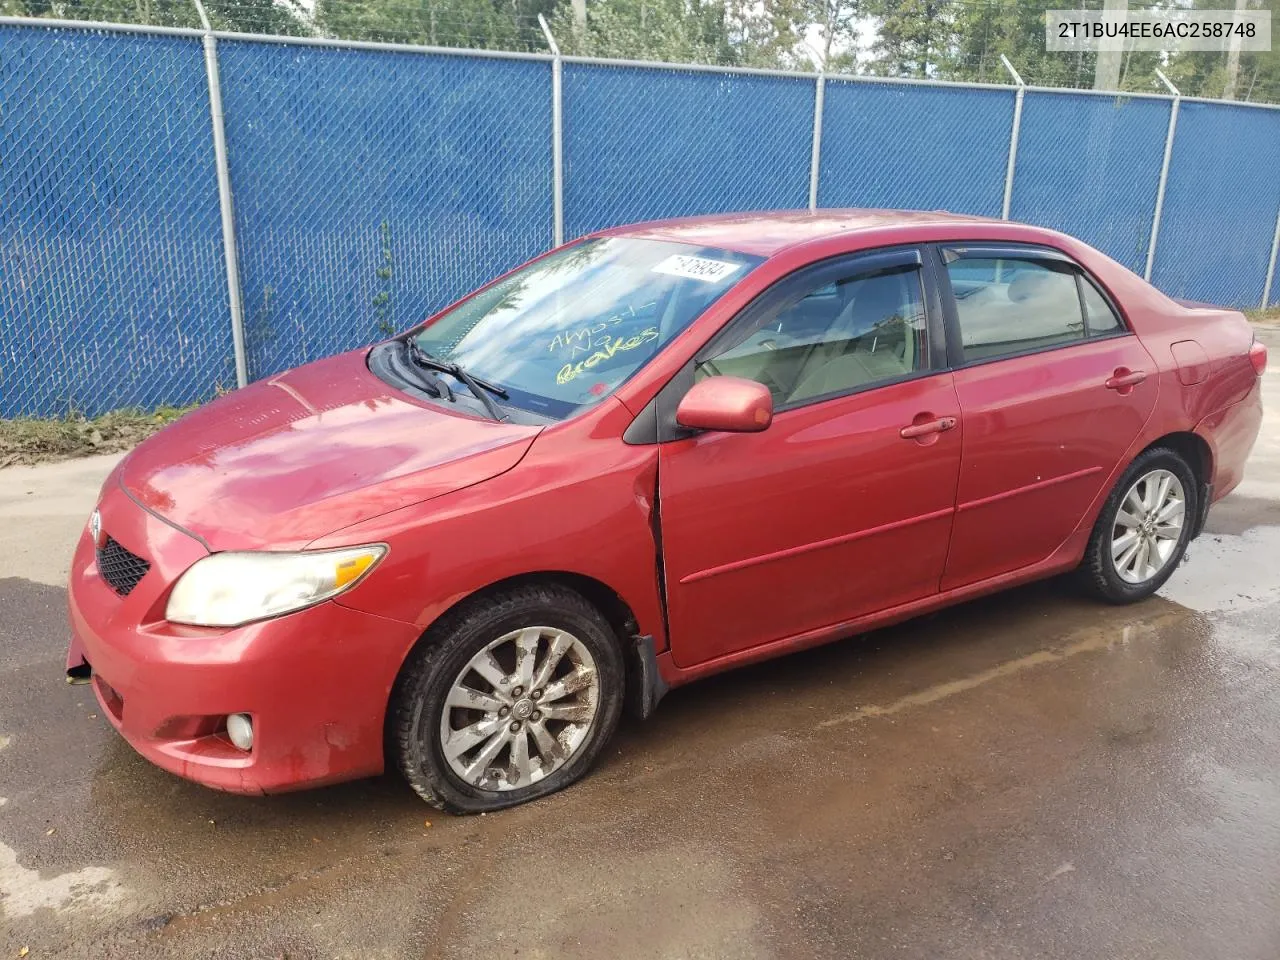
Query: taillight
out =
(1258, 355)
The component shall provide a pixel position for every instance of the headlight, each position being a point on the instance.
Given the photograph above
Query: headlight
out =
(228, 589)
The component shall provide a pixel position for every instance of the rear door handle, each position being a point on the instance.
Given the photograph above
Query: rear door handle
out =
(924, 429)
(1122, 379)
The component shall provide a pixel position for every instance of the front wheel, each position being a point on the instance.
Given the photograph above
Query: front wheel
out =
(1143, 529)
(511, 697)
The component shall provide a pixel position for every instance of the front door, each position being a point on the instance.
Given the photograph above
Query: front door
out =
(1053, 390)
(832, 512)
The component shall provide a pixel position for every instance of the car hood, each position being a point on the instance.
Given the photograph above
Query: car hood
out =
(308, 452)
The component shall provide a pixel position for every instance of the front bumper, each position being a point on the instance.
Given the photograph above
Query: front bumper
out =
(316, 682)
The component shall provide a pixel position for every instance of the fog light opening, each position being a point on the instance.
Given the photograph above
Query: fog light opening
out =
(240, 731)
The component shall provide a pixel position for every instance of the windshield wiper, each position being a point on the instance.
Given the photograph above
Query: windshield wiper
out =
(430, 382)
(481, 388)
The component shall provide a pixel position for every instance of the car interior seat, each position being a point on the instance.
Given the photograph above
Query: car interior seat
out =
(874, 338)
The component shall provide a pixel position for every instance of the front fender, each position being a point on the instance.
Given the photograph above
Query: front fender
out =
(580, 502)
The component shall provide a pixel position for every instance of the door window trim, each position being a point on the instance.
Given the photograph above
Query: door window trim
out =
(947, 252)
(656, 423)
(1123, 326)
(908, 257)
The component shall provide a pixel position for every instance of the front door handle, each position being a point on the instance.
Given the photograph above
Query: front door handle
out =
(917, 430)
(1125, 379)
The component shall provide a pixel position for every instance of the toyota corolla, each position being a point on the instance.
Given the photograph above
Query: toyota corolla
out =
(653, 454)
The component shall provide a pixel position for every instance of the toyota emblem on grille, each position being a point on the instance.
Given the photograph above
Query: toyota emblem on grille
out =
(95, 528)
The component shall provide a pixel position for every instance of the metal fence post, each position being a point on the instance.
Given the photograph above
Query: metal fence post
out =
(224, 196)
(1271, 267)
(819, 98)
(557, 134)
(1164, 175)
(1013, 138)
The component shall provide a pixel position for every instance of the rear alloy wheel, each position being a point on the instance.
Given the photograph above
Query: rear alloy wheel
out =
(1148, 526)
(508, 698)
(1143, 529)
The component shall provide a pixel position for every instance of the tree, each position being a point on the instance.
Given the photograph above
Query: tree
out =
(673, 30)
(1015, 28)
(768, 33)
(495, 24)
(1205, 74)
(836, 23)
(942, 39)
(914, 36)
(734, 32)
(247, 16)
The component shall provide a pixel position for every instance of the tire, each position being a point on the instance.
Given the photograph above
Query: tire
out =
(562, 733)
(1109, 571)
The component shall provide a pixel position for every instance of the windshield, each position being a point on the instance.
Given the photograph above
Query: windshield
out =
(564, 332)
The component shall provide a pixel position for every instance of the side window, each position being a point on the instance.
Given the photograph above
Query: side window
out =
(1011, 305)
(1102, 319)
(832, 338)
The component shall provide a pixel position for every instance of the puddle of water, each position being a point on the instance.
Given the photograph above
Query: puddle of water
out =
(23, 891)
(1102, 638)
(1228, 572)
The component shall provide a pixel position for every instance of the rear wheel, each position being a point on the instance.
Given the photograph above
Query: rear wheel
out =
(511, 697)
(1143, 529)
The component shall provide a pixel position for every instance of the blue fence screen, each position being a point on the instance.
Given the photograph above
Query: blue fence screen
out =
(642, 144)
(374, 186)
(113, 290)
(1090, 166)
(1220, 205)
(926, 148)
(371, 189)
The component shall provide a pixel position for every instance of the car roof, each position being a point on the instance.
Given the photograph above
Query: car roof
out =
(767, 233)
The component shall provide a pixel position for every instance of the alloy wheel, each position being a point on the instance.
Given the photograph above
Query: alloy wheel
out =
(1148, 526)
(520, 708)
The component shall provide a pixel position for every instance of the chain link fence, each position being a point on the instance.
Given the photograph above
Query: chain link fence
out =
(1219, 224)
(1090, 166)
(643, 143)
(373, 188)
(899, 145)
(112, 287)
(373, 184)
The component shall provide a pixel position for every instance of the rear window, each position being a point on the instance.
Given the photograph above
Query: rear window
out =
(1007, 306)
(1102, 319)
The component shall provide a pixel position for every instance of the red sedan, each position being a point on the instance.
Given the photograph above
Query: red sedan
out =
(653, 454)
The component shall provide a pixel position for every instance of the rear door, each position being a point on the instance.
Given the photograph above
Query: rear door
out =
(1053, 389)
(832, 512)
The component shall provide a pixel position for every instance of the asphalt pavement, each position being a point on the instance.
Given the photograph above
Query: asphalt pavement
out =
(1029, 775)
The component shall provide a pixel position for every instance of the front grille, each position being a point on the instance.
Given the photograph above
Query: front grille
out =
(121, 568)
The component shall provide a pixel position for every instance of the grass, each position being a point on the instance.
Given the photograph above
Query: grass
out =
(41, 440)
(1269, 316)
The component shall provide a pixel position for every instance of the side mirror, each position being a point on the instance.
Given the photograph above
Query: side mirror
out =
(729, 404)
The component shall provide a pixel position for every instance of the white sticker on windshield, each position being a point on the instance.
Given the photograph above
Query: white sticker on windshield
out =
(697, 268)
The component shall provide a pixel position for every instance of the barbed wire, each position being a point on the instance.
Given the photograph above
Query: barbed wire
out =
(444, 25)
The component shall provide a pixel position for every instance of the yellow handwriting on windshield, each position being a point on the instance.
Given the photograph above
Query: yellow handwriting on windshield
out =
(582, 339)
(615, 345)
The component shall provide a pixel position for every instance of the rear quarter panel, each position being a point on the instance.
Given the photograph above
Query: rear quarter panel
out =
(1222, 406)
